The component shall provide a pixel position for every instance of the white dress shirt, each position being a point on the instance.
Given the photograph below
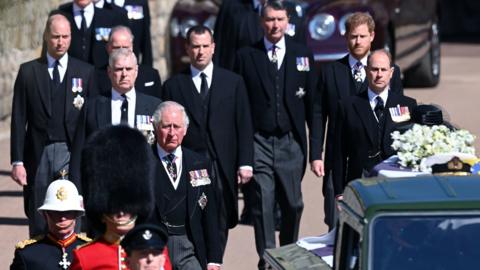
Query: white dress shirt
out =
(117, 101)
(279, 51)
(197, 80)
(62, 65)
(352, 62)
(89, 12)
(178, 162)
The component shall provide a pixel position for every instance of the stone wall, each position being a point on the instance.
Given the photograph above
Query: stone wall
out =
(21, 27)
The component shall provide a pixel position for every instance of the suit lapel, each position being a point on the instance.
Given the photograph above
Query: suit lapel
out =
(160, 182)
(104, 109)
(362, 107)
(192, 193)
(344, 79)
(68, 88)
(217, 93)
(140, 108)
(392, 101)
(190, 96)
(43, 81)
(290, 64)
(260, 60)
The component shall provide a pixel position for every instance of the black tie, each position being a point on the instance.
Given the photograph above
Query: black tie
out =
(274, 58)
(379, 112)
(379, 108)
(204, 85)
(56, 74)
(83, 24)
(171, 166)
(124, 110)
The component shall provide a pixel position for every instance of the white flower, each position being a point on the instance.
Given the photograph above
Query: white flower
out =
(78, 102)
(420, 142)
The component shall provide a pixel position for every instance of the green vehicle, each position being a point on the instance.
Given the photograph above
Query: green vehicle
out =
(425, 222)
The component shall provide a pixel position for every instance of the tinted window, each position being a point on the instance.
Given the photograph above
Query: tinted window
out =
(425, 242)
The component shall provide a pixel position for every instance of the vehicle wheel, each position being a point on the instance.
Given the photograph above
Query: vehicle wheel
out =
(427, 72)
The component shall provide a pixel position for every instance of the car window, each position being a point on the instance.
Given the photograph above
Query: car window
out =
(425, 242)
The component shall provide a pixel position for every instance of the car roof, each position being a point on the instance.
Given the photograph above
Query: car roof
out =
(370, 195)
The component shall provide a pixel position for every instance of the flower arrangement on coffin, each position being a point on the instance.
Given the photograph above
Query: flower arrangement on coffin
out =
(416, 145)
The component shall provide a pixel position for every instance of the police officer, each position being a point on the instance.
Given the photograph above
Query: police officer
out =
(144, 245)
(62, 206)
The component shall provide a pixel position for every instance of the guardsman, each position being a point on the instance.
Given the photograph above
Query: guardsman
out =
(62, 206)
(116, 174)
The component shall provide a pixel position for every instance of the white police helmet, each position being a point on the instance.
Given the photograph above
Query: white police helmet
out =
(62, 195)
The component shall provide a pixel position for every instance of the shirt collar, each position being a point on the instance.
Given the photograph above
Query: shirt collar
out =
(208, 70)
(352, 61)
(372, 95)
(117, 96)
(88, 9)
(162, 153)
(256, 4)
(100, 3)
(280, 44)
(62, 62)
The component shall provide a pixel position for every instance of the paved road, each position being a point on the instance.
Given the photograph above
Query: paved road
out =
(457, 94)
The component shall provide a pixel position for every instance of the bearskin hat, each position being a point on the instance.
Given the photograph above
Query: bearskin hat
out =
(117, 174)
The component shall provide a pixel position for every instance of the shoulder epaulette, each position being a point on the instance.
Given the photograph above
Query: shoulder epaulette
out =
(84, 237)
(86, 244)
(30, 241)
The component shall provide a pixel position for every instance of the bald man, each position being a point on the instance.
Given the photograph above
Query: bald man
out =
(48, 95)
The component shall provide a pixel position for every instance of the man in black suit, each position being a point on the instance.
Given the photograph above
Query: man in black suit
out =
(90, 29)
(119, 12)
(185, 200)
(281, 82)
(124, 106)
(48, 95)
(221, 129)
(339, 80)
(137, 14)
(365, 122)
(148, 80)
(238, 25)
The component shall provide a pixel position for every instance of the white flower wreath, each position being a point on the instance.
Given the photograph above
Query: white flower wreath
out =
(420, 142)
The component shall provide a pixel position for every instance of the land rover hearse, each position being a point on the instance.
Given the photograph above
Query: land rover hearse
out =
(423, 222)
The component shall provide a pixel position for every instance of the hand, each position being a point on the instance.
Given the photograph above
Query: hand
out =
(337, 200)
(213, 267)
(244, 176)
(316, 167)
(19, 175)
